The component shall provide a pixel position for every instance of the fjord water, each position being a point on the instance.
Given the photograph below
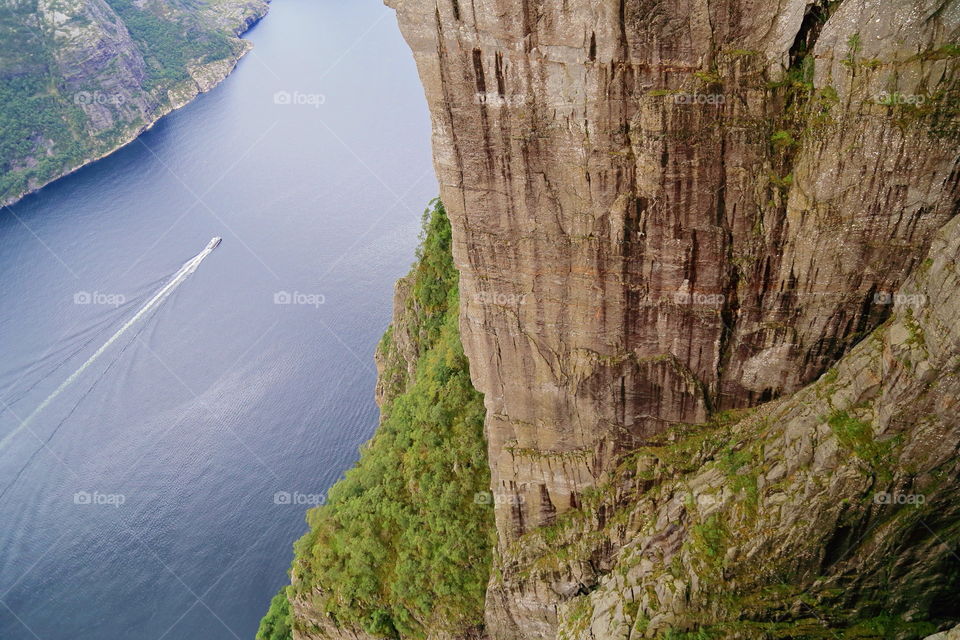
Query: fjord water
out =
(142, 502)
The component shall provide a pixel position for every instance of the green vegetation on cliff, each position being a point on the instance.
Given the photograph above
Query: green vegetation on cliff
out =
(80, 77)
(170, 46)
(403, 545)
(277, 624)
(33, 114)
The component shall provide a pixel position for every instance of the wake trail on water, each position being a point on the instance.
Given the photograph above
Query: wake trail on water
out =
(46, 441)
(75, 344)
(188, 268)
(13, 393)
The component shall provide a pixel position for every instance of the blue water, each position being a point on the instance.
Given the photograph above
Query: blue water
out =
(150, 513)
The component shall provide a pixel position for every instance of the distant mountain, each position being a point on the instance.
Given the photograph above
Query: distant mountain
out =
(80, 78)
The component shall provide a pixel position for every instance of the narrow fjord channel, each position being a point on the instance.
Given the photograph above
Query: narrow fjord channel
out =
(157, 495)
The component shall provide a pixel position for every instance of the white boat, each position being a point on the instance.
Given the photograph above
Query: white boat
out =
(214, 243)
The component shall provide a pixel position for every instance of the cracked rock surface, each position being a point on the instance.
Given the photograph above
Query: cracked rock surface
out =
(665, 210)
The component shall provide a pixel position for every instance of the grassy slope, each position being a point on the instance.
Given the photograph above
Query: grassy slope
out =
(402, 546)
(31, 105)
(43, 133)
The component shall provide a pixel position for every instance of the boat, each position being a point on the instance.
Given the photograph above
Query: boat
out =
(214, 243)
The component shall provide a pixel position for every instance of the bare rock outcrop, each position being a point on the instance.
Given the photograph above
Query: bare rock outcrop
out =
(834, 505)
(663, 210)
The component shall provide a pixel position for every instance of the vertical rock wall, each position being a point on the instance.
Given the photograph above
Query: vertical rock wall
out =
(665, 209)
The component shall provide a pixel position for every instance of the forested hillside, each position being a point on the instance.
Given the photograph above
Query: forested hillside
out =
(78, 78)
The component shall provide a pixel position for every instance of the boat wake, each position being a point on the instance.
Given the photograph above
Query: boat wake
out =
(188, 268)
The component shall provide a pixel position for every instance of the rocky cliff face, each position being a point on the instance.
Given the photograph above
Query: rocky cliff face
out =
(835, 505)
(662, 211)
(78, 78)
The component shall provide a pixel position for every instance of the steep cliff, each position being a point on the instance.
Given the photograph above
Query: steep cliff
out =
(79, 78)
(708, 289)
(662, 211)
(403, 545)
(837, 508)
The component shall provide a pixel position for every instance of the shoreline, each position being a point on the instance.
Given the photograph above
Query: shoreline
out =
(179, 96)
